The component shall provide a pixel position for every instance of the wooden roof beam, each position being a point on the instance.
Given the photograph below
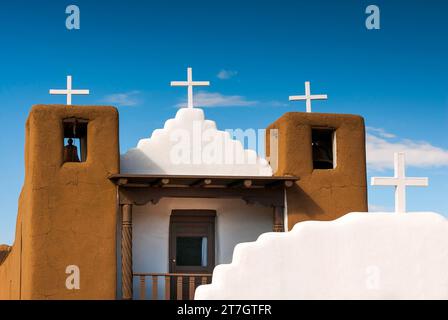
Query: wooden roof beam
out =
(279, 184)
(160, 182)
(200, 183)
(246, 183)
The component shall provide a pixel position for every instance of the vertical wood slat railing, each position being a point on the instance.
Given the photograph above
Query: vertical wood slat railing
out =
(193, 281)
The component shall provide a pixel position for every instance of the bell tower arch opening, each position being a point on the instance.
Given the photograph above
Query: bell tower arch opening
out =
(323, 142)
(75, 140)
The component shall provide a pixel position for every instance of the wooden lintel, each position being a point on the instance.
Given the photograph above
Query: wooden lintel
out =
(289, 183)
(281, 184)
(138, 185)
(161, 182)
(141, 196)
(122, 181)
(201, 182)
(247, 183)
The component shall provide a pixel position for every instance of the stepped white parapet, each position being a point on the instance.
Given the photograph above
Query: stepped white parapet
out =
(191, 145)
(358, 256)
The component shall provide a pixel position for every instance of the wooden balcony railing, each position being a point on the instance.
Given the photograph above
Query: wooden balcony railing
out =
(178, 286)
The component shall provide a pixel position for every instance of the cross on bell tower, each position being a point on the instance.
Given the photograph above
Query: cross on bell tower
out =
(69, 91)
(308, 97)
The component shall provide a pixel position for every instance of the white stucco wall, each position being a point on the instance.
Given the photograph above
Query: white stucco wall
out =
(190, 144)
(359, 256)
(236, 222)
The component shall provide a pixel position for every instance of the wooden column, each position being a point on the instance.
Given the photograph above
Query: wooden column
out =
(279, 221)
(126, 253)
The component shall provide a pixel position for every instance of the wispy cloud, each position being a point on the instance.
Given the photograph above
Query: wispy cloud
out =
(380, 132)
(275, 103)
(226, 74)
(126, 99)
(215, 99)
(381, 146)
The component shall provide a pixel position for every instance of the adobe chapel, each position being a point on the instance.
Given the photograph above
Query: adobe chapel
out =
(154, 222)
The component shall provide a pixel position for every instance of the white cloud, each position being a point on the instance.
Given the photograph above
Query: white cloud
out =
(381, 132)
(126, 99)
(381, 146)
(216, 99)
(226, 74)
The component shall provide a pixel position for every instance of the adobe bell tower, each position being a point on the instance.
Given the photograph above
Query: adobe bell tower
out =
(327, 152)
(68, 205)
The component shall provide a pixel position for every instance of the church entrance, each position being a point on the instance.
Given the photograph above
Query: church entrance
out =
(192, 245)
(191, 248)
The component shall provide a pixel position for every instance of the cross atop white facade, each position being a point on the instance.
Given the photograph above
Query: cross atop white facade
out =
(190, 84)
(400, 181)
(308, 97)
(69, 91)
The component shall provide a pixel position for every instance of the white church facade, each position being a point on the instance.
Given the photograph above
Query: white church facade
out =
(175, 233)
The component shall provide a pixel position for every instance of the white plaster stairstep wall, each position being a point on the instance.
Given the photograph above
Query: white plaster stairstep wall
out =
(207, 150)
(358, 256)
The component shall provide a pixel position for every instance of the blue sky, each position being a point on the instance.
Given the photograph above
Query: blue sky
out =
(129, 51)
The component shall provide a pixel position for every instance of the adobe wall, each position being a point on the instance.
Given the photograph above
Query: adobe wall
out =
(10, 272)
(322, 194)
(67, 211)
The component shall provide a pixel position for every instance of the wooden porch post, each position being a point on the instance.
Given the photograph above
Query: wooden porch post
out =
(279, 221)
(126, 253)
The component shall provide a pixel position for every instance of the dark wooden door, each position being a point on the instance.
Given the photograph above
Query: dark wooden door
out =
(191, 245)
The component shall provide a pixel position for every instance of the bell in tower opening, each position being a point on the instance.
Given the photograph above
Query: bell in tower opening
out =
(322, 144)
(71, 152)
(75, 140)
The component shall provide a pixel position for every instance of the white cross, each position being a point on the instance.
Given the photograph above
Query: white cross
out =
(69, 91)
(190, 84)
(400, 181)
(308, 97)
